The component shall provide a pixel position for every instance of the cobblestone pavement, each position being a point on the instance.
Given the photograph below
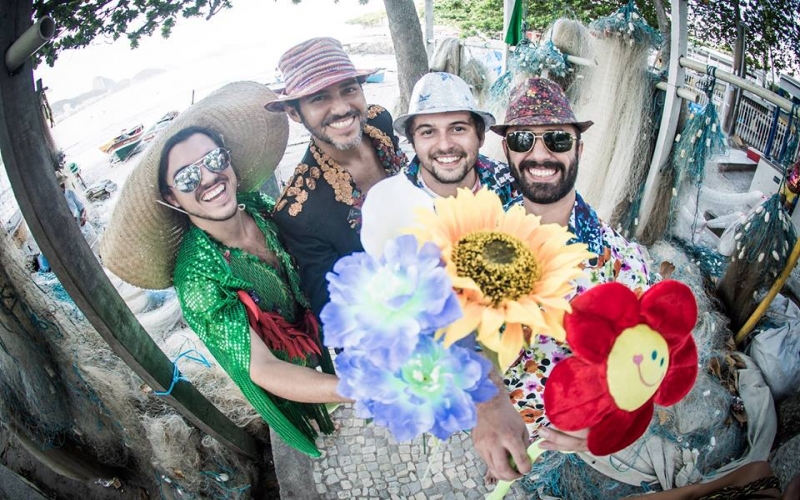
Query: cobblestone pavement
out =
(364, 461)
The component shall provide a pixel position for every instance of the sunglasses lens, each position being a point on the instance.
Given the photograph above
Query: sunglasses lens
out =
(520, 142)
(557, 141)
(187, 179)
(217, 160)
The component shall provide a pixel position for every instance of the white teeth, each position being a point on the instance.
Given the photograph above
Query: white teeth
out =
(214, 192)
(342, 123)
(448, 159)
(541, 172)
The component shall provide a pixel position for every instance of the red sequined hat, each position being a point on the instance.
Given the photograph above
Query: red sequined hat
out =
(539, 101)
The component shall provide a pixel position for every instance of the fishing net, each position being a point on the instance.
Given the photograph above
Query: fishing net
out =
(47, 349)
(617, 96)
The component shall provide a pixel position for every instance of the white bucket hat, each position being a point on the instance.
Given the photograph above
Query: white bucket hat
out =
(441, 93)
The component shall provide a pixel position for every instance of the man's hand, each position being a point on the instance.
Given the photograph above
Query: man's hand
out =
(501, 433)
(555, 439)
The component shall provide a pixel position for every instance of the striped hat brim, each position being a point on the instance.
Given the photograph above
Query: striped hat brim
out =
(325, 81)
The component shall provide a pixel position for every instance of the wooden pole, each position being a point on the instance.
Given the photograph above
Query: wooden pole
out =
(682, 92)
(31, 174)
(429, 29)
(508, 8)
(498, 45)
(669, 118)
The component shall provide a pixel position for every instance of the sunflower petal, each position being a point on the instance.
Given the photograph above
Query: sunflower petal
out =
(491, 322)
(463, 326)
(464, 283)
(555, 325)
(537, 323)
(517, 313)
(512, 342)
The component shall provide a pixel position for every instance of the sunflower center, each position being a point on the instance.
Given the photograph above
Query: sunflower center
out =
(500, 264)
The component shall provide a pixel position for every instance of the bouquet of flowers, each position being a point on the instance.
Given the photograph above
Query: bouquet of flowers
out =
(433, 274)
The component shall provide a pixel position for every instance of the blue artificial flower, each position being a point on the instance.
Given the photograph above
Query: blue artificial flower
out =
(382, 306)
(435, 390)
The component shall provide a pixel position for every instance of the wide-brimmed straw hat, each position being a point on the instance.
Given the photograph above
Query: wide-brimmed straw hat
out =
(142, 238)
(312, 66)
(440, 93)
(539, 101)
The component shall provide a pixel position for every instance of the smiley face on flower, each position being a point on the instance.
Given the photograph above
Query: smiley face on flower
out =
(640, 360)
(629, 353)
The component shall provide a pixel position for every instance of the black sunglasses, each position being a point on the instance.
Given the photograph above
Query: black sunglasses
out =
(557, 141)
(188, 178)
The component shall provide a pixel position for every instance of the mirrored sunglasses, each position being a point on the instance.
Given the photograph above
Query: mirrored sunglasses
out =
(557, 141)
(188, 178)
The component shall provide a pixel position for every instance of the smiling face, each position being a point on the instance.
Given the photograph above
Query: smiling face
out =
(335, 115)
(544, 177)
(637, 364)
(214, 199)
(447, 145)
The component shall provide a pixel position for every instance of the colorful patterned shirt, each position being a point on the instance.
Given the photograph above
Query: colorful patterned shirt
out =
(319, 212)
(492, 174)
(618, 260)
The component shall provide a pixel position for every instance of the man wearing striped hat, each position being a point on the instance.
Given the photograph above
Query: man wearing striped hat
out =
(352, 147)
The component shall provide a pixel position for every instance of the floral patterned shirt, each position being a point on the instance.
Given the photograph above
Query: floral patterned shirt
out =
(617, 260)
(492, 174)
(319, 212)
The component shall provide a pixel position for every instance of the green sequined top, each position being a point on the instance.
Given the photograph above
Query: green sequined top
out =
(208, 276)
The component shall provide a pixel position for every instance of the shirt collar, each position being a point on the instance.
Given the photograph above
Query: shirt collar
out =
(586, 226)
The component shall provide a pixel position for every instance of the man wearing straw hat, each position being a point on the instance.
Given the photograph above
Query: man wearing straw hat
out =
(447, 130)
(187, 216)
(352, 147)
(542, 142)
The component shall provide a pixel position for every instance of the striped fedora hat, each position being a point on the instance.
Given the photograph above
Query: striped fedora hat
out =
(312, 66)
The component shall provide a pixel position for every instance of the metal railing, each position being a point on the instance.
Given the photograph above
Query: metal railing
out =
(763, 126)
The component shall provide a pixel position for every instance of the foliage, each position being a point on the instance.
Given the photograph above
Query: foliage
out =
(485, 17)
(472, 17)
(772, 29)
(81, 21)
(772, 26)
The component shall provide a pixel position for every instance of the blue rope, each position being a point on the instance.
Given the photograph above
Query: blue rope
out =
(176, 373)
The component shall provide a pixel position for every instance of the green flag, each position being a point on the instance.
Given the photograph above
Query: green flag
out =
(514, 32)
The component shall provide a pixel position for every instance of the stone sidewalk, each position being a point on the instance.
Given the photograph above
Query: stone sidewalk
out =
(364, 461)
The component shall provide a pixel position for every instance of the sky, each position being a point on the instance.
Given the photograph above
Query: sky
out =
(255, 32)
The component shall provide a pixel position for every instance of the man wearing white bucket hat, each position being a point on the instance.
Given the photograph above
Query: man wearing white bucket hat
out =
(447, 130)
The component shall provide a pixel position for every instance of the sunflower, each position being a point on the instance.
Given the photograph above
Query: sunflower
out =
(511, 273)
(628, 353)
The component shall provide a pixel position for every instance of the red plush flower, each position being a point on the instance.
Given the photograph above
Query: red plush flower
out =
(628, 353)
